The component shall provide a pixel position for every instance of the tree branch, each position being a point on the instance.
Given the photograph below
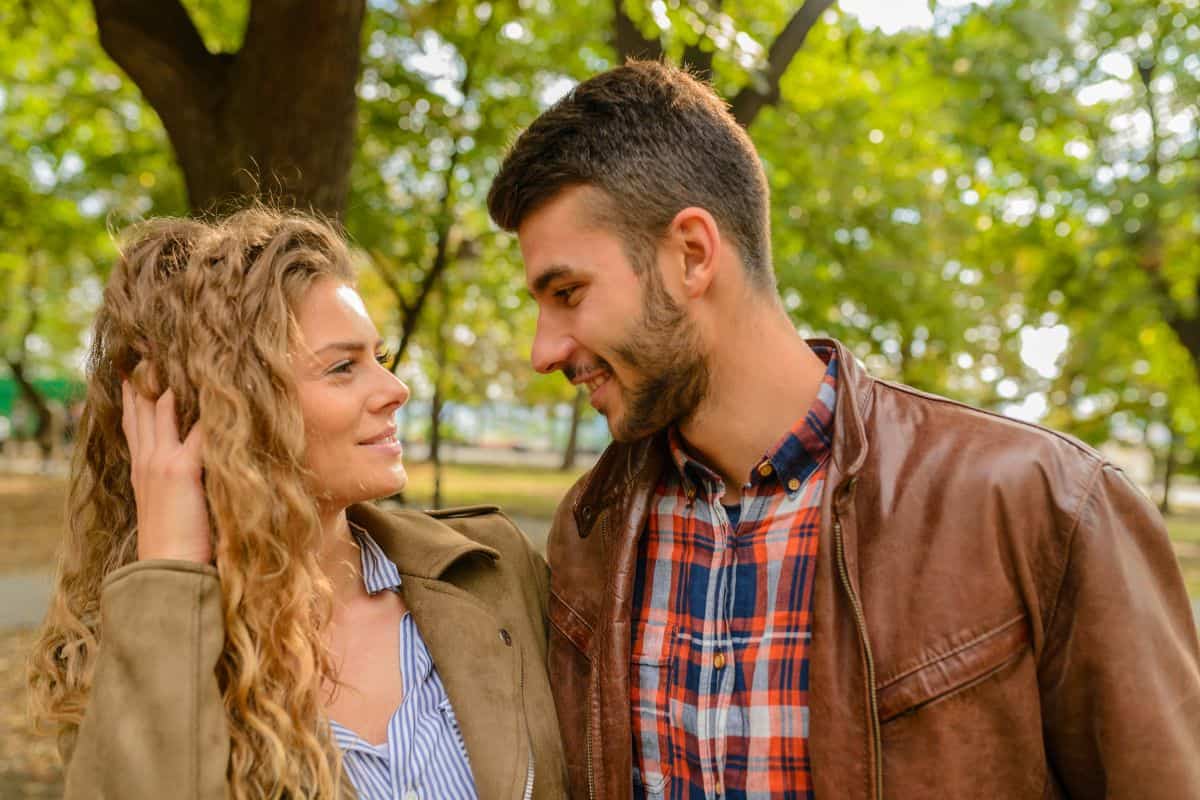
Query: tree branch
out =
(17, 365)
(697, 58)
(158, 46)
(628, 41)
(444, 219)
(764, 90)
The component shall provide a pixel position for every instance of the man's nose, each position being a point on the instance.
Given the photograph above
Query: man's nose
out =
(551, 347)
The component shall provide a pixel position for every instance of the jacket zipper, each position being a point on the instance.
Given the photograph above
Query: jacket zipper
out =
(861, 623)
(528, 793)
(591, 779)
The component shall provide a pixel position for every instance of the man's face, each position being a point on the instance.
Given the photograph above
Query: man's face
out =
(622, 336)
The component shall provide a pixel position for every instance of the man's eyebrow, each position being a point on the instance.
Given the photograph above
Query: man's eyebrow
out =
(546, 278)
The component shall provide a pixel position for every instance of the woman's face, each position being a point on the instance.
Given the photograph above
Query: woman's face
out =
(347, 397)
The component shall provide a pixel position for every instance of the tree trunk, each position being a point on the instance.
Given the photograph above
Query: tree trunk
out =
(439, 399)
(569, 452)
(275, 120)
(43, 434)
(762, 90)
(1172, 458)
(17, 362)
(435, 438)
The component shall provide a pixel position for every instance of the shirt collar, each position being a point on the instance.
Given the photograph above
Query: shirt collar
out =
(379, 572)
(794, 456)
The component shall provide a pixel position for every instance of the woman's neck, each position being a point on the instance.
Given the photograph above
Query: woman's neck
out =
(340, 557)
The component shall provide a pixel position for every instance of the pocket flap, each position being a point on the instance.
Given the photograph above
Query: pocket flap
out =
(955, 668)
(570, 624)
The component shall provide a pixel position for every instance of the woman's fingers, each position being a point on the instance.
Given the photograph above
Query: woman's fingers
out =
(144, 416)
(193, 445)
(128, 419)
(166, 432)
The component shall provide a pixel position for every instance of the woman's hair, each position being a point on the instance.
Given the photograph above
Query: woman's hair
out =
(207, 309)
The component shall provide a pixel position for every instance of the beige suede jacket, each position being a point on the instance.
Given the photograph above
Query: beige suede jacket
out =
(155, 726)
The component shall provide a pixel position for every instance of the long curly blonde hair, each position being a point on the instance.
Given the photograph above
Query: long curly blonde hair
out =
(209, 305)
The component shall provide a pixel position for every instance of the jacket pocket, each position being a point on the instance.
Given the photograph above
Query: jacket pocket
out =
(651, 691)
(953, 668)
(570, 624)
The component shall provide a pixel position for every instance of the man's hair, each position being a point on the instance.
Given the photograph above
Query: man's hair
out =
(655, 140)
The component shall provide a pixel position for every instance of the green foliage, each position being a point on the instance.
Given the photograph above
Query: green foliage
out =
(78, 150)
(939, 194)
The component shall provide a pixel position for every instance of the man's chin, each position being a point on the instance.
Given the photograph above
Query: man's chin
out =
(624, 431)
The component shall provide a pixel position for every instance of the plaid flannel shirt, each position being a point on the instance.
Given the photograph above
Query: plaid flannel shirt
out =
(722, 623)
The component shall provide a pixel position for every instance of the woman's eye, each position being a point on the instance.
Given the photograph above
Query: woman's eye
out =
(342, 367)
(384, 358)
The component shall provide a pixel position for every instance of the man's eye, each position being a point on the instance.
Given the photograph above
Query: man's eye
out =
(564, 295)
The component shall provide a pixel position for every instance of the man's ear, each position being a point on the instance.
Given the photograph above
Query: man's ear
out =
(697, 241)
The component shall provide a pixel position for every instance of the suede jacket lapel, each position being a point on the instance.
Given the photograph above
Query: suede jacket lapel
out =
(482, 672)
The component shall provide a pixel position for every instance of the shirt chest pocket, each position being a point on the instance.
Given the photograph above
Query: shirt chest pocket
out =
(653, 670)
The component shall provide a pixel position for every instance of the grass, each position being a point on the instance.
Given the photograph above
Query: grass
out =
(521, 491)
(1184, 529)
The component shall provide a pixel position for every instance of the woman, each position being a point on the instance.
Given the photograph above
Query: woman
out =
(232, 617)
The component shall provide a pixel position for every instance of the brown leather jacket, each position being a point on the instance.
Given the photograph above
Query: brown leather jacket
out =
(998, 614)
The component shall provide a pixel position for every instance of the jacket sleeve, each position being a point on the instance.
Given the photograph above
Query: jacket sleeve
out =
(1120, 674)
(155, 725)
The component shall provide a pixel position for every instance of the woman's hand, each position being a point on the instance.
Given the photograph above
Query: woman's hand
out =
(172, 517)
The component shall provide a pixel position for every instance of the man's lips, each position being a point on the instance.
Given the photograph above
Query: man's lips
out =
(593, 379)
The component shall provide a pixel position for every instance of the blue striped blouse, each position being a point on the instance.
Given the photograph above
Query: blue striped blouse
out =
(424, 757)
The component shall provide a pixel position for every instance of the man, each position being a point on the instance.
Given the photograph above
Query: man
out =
(788, 579)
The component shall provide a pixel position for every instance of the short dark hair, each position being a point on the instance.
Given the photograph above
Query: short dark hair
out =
(655, 140)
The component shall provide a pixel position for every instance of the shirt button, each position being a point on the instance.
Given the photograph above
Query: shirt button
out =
(504, 637)
(720, 788)
(794, 484)
(764, 468)
(719, 661)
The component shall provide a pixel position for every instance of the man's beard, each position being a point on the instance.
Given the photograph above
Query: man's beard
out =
(664, 350)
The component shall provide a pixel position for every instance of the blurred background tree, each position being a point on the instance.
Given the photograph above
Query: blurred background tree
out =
(996, 201)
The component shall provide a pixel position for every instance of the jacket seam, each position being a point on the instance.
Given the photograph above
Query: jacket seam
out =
(457, 592)
(996, 631)
(946, 401)
(1072, 534)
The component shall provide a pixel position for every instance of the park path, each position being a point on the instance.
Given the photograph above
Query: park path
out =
(24, 599)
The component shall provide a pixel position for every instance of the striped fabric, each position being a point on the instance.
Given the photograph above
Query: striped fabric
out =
(424, 757)
(721, 616)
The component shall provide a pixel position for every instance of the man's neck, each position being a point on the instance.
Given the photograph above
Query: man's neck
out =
(763, 378)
